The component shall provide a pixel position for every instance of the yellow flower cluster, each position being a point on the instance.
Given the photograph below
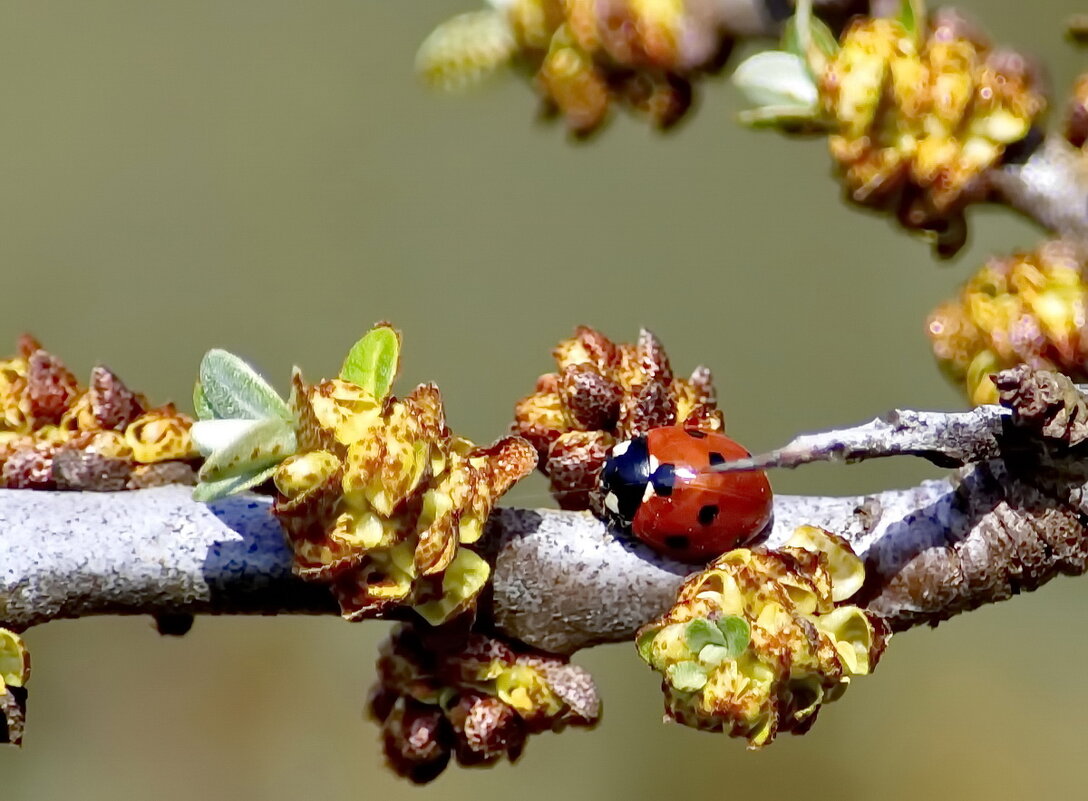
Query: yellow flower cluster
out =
(14, 672)
(758, 641)
(470, 696)
(586, 55)
(604, 393)
(56, 434)
(918, 118)
(1029, 308)
(382, 499)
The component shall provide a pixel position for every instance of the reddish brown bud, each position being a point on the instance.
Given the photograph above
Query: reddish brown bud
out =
(650, 406)
(160, 474)
(12, 714)
(574, 462)
(592, 400)
(416, 740)
(51, 388)
(485, 729)
(27, 345)
(31, 468)
(89, 471)
(113, 404)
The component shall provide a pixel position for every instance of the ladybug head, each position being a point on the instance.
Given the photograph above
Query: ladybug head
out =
(623, 480)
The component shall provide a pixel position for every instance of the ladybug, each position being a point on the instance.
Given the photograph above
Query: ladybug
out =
(655, 487)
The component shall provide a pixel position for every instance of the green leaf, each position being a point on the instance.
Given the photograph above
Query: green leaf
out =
(686, 676)
(264, 444)
(201, 406)
(210, 436)
(794, 119)
(820, 37)
(234, 390)
(644, 643)
(207, 491)
(912, 16)
(701, 632)
(736, 633)
(776, 78)
(714, 655)
(373, 361)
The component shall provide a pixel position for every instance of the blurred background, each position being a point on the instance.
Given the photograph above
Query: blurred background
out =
(268, 176)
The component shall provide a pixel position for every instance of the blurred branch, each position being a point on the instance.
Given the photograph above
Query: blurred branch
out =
(1012, 518)
(1050, 187)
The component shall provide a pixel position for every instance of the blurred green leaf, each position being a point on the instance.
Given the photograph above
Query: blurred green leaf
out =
(776, 78)
(263, 444)
(736, 633)
(701, 632)
(912, 16)
(373, 361)
(645, 642)
(234, 390)
(201, 406)
(210, 436)
(214, 490)
(686, 676)
(714, 655)
(820, 37)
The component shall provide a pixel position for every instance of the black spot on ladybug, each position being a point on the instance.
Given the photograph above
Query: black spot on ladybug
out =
(708, 514)
(677, 542)
(716, 458)
(663, 480)
(695, 433)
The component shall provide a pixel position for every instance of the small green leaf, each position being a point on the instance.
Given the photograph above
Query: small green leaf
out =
(208, 491)
(714, 655)
(264, 444)
(701, 632)
(820, 37)
(912, 16)
(234, 390)
(737, 634)
(794, 119)
(201, 406)
(776, 78)
(210, 436)
(644, 643)
(373, 361)
(686, 676)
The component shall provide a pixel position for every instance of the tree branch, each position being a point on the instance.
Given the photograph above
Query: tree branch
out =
(1010, 520)
(1050, 187)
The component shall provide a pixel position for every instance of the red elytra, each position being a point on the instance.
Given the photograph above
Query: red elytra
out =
(657, 487)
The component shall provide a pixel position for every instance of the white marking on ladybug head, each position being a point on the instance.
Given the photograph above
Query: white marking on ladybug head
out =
(653, 464)
(649, 493)
(621, 448)
(612, 503)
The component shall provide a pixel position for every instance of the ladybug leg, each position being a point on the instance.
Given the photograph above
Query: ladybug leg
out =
(573, 465)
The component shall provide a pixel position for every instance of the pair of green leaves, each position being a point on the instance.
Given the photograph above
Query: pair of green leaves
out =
(245, 429)
(712, 643)
(782, 84)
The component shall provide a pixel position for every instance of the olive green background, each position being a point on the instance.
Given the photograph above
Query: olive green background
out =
(268, 176)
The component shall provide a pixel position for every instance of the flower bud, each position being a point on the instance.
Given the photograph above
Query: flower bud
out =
(758, 641)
